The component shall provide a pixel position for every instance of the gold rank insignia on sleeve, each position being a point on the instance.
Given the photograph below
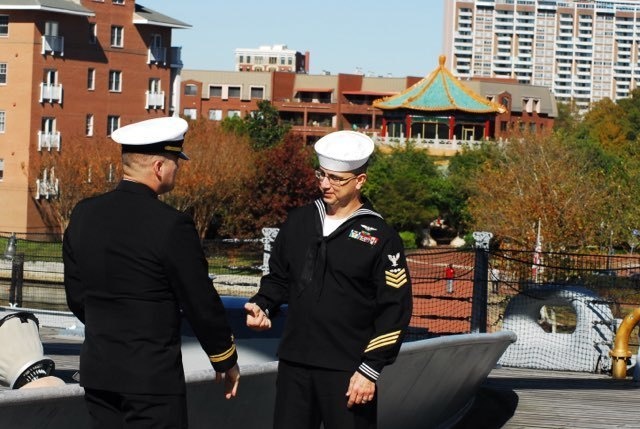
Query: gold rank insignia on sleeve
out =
(383, 340)
(395, 277)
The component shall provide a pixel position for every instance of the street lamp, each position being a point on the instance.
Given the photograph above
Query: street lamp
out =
(10, 251)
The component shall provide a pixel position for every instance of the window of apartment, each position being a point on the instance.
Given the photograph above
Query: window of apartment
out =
(215, 114)
(154, 85)
(113, 123)
(93, 33)
(282, 61)
(117, 35)
(118, 1)
(48, 125)
(4, 25)
(3, 120)
(234, 92)
(257, 92)
(91, 79)
(191, 89)
(1, 169)
(3, 73)
(233, 113)
(190, 113)
(115, 81)
(215, 91)
(248, 58)
(290, 61)
(273, 60)
(51, 28)
(88, 125)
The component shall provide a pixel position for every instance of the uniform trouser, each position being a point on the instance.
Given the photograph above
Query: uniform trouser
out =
(307, 396)
(112, 410)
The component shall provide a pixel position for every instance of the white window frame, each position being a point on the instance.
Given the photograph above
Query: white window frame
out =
(190, 113)
(188, 87)
(113, 123)
(117, 36)
(91, 79)
(3, 121)
(115, 81)
(215, 114)
(89, 125)
(93, 33)
(234, 113)
(4, 33)
(118, 1)
(3, 73)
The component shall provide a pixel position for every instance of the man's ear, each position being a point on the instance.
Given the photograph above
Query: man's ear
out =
(361, 180)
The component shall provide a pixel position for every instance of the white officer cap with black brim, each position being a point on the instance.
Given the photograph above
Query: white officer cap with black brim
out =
(343, 151)
(153, 136)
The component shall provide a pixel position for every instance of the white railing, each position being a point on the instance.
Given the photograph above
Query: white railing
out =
(53, 44)
(157, 54)
(427, 143)
(50, 92)
(155, 100)
(48, 140)
(46, 188)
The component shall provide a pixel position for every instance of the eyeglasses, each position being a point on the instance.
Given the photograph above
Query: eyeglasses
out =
(333, 180)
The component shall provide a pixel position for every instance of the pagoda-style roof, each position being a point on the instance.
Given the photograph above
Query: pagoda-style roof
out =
(440, 91)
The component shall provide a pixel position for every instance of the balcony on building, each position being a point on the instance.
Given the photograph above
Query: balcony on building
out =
(155, 100)
(53, 44)
(157, 55)
(48, 140)
(50, 92)
(176, 57)
(314, 95)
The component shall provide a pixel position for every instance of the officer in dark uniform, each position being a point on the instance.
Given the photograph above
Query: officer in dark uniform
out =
(343, 273)
(132, 265)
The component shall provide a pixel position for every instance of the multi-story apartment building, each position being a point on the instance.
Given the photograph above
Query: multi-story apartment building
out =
(78, 68)
(315, 105)
(583, 50)
(272, 58)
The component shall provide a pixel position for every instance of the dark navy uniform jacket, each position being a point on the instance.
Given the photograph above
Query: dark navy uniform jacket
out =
(349, 294)
(131, 264)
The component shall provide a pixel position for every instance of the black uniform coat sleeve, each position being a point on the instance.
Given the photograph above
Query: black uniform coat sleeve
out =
(349, 294)
(131, 264)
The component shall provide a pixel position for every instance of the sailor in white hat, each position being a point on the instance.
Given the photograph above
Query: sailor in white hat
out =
(131, 263)
(158, 135)
(342, 271)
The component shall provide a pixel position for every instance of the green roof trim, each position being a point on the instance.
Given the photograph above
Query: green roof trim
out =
(440, 91)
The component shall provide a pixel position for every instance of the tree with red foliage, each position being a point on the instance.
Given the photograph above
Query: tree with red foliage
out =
(283, 179)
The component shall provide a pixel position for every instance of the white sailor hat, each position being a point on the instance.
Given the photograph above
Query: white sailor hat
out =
(158, 135)
(343, 150)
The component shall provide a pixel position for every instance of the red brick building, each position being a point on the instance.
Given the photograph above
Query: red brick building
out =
(74, 68)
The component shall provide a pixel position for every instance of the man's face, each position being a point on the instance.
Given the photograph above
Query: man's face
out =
(339, 188)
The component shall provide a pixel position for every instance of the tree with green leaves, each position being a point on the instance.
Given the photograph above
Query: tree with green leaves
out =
(263, 126)
(406, 187)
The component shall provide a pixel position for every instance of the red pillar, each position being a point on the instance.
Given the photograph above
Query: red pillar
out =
(383, 131)
(487, 128)
(408, 122)
(452, 126)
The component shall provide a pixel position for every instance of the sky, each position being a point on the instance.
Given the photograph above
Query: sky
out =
(398, 38)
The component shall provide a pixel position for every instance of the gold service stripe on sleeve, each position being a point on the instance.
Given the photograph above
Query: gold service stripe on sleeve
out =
(223, 356)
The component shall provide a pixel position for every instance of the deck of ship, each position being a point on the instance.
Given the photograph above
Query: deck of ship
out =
(509, 398)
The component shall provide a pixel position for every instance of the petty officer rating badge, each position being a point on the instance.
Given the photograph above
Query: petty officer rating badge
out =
(396, 276)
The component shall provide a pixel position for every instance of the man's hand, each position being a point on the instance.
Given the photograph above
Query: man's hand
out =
(361, 390)
(256, 318)
(231, 381)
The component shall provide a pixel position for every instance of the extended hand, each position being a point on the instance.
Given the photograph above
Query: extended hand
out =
(361, 390)
(231, 381)
(256, 318)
